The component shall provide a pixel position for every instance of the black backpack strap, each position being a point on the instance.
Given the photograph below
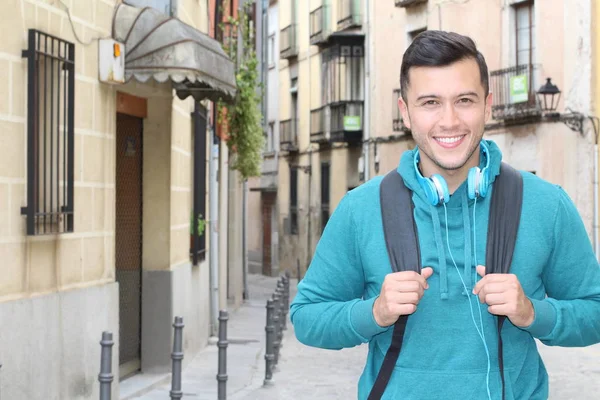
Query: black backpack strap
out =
(505, 214)
(402, 244)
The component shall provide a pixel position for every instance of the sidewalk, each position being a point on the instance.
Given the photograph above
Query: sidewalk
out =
(301, 370)
(306, 373)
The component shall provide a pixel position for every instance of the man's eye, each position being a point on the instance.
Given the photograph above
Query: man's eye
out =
(430, 103)
(465, 100)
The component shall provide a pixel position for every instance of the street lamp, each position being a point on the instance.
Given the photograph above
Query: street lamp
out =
(549, 96)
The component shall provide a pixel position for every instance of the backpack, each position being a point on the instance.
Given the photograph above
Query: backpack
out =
(402, 244)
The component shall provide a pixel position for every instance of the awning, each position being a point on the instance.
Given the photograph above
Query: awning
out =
(164, 48)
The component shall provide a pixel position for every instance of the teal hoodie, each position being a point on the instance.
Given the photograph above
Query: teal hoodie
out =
(442, 355)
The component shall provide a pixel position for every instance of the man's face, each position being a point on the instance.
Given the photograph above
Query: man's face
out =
(446, 110)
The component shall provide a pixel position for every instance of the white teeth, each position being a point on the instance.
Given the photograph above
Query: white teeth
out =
(449, 140)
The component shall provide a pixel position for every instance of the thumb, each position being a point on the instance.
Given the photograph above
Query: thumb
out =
(481, 270)
(426, 272)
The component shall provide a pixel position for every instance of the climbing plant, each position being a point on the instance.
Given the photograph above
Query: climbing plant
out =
(242, 118)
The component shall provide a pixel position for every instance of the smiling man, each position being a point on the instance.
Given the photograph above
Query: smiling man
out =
(350, 295)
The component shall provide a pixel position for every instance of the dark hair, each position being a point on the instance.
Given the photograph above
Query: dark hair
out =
(439, 49)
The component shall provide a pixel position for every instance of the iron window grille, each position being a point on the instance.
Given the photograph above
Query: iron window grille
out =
(198, 223)
(50, 134)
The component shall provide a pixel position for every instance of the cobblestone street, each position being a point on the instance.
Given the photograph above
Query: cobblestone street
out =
(306, 373)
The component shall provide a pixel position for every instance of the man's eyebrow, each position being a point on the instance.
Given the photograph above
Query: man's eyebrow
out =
(435, 96)
(474, 94)
(428, 96)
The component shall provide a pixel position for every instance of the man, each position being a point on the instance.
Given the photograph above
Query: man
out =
(350, 296)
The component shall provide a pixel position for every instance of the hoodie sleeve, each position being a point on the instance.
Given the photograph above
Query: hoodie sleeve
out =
(328, 310)
(570, 314)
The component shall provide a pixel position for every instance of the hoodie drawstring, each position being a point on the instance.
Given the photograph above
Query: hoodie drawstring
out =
(441, 253)
(467, 235)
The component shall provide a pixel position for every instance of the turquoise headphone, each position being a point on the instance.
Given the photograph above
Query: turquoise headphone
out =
(436, 188)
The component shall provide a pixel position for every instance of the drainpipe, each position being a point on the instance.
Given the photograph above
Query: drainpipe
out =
(367, 90)
(596, 222)
(308, 230)
(213, 187)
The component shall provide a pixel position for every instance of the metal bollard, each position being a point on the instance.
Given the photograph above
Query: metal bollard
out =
(270, 333)
(177, 357)
(105, 377)
(286, 303)
(283, 321)
(276, 341)
(222, 344)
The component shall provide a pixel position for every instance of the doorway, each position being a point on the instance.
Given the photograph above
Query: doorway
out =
(128, 240)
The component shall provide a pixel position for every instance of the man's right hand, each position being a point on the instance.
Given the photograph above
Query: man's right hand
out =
(400, 294)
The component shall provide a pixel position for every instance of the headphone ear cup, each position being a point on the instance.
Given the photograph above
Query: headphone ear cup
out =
(442, 193)
(472, 182)
(484, 182)
(430, 191)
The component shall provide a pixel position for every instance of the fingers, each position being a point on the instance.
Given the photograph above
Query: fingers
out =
(481, 270)
(490, 288)
(426, 272)
(492, 278)
(412, 276)
(404, 298)
(404, 309)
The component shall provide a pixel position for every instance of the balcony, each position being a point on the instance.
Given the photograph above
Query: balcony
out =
(288, 43)
(397, 122)
(319, 25)
(288, 135)
(514, 92)
(349, 14)
(346, 122)
(319, 128)
(409, 3)
(269, 173)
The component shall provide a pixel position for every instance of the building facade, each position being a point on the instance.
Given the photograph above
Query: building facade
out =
(339, 85)
(106, 218)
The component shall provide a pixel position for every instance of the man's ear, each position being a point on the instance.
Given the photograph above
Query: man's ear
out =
(404, 112)
(488, 106)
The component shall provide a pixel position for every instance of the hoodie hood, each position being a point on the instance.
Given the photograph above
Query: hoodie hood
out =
(453, 224)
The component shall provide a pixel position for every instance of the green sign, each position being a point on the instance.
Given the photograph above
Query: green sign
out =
(352, 123)
(518, 89)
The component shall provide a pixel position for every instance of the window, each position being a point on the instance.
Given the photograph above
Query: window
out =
(50, 134)
(270, 138)
(325, 176)
(524, 33)
(343, 72)
(198, 225)
(294, 200)
(271, 51)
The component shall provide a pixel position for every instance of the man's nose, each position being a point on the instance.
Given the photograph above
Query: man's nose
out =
(449, 119)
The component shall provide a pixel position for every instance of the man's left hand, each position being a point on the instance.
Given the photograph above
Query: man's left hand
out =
(504, 296)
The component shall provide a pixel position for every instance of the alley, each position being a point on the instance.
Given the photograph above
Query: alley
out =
(306, 373)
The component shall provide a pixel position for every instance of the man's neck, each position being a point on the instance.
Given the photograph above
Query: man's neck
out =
(454, 178)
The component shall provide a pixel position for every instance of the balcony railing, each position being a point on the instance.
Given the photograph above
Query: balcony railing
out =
(319, 126)
(319, 25)
(288, 135)
(408, 3)
(397, 122)
(514, 91)
(347, 122)
(288, 44)
(349, 14)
